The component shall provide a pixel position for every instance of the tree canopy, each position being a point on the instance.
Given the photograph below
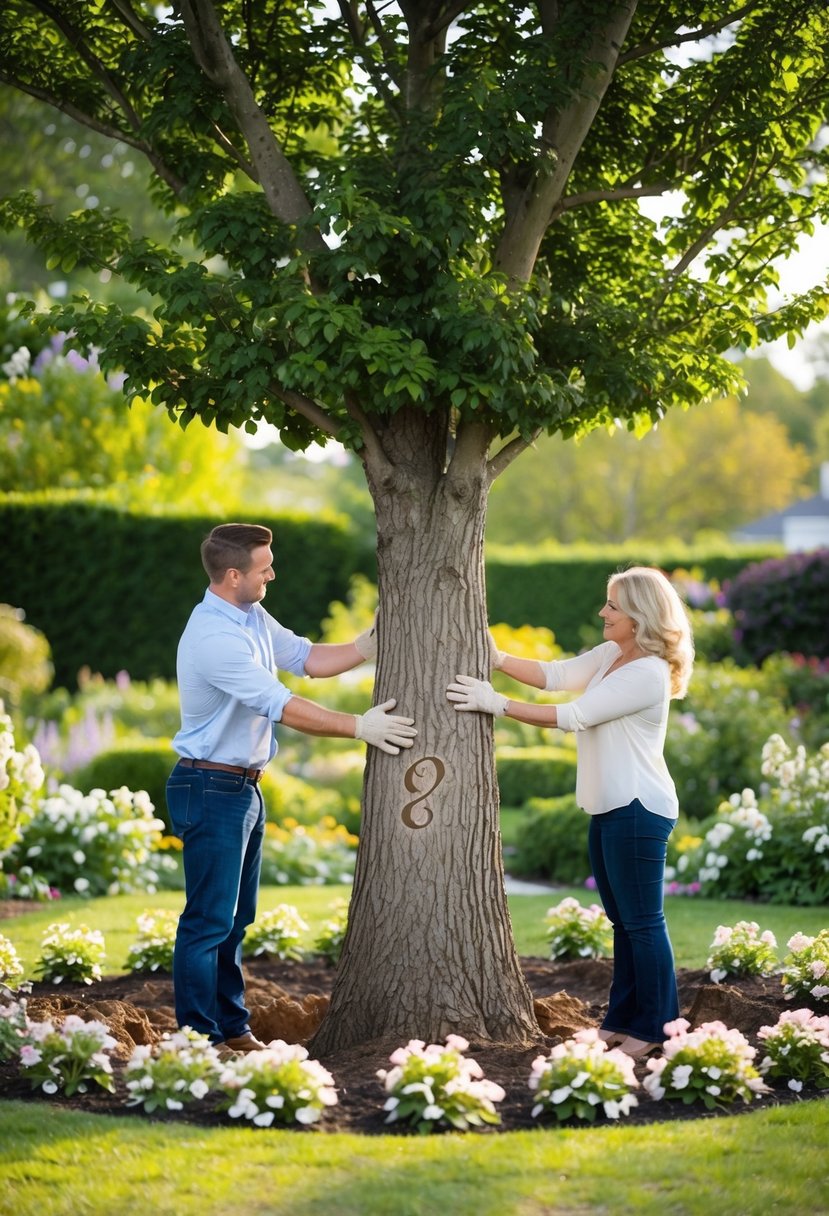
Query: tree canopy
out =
(437, 205)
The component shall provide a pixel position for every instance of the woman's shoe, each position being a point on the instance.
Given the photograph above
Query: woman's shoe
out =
(638, 1049)
(611, 1038)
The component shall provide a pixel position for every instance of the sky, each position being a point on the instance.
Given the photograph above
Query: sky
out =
(805, 269)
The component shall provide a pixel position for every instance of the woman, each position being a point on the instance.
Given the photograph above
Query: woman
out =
(622, 781)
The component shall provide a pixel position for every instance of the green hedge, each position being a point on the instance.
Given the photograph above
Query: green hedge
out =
(138, 766)
(552, 841)
(112, 591)
(534, 772)
(564, 588)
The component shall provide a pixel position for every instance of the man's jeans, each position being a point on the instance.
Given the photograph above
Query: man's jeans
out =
(627, 849)
(220, 818)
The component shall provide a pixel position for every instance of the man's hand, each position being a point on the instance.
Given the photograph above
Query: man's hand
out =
(384, 730)
(366, 642)
(479, 695)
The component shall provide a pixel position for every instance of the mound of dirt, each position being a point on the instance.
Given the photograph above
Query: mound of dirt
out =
(288, 1000)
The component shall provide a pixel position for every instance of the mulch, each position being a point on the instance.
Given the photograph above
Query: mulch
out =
(288, 999)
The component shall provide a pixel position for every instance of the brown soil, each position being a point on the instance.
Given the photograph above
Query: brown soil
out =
(287, 1001)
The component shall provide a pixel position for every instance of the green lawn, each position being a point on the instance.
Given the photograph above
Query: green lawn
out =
(691, 921)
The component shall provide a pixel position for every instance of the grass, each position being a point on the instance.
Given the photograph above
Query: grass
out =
(56, 1162)
(60, 1163)
(691, 921)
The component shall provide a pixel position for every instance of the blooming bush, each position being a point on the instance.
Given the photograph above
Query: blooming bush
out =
(775, 846)
(11, 968)
(314, 855)
(806, 967)
(277, 933)
(329, 940)
(437, 1086)
(183, 1068)
(578, 932)
(96, 843)
(277, 1085)
(68, 1057)
(711, 1064)
(13, 1023)
(797, 1048)
(581, 1075)
(25, 884)
(21, 777)
(742, 950)
(153, 951)
(74, 954)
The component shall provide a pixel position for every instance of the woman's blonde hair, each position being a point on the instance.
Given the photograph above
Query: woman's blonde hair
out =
(662, 626)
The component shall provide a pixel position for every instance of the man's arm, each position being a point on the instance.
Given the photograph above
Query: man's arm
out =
(332, 659)
(376, 726)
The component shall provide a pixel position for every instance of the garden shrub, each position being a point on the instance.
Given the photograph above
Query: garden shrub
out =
(552, 841)
(780, 605)
(716, 734)
(290, 798)
(25, 656)
(139, 765)
(526, 773)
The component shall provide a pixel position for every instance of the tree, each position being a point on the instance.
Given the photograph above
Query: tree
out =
(710, 470)
(420, 233)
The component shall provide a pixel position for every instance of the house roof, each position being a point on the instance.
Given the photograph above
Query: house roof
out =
(816, 507)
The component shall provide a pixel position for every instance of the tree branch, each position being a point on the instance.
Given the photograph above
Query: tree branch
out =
(505, 456)
(306, 407)
(214, 55)
(131, 19)
(371, 439)
(703, 31)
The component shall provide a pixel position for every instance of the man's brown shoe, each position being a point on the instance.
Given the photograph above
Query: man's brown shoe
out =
(240, 1045)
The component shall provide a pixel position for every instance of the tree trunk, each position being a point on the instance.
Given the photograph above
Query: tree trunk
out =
(429, 949)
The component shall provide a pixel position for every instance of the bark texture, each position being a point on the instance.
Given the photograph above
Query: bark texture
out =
(429, 949)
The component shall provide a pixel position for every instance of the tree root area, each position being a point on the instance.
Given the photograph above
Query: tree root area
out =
(287, 1001)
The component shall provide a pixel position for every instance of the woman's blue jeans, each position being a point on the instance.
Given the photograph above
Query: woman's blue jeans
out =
(220, 818)
(627, 849)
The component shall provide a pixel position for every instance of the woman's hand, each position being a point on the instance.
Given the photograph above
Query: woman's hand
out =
(479, 695)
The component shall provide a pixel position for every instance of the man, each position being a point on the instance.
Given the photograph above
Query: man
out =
(231, 695)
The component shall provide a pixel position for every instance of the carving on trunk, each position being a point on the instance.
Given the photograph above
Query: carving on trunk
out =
(425, 814)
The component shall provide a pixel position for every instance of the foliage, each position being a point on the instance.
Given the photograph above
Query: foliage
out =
(153, 949)
(578, 932)
(25, 657)
(331, 934)
(437, 1086)
(142, 765)
(63, 425)
(780, 605)
(527, 773)
(123, 552)
(564, 586)
(182, 1068)
(741, 950)
(292, 800)
(13, 1022)
(805, 685)
(714, 739)
(806, 967)
(318, 854)
(21, 777)
(95, 843)
(104, 709)
(552, 840)
(710, 1064)
(797, 1047)
(73, 953)
(69, 1057)
(11, 968)
(276, 933)
(774, 848)
(278, 1085)
(654, 499)
(579, 1076)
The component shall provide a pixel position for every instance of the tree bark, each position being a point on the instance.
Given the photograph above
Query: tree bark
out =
(429, 949)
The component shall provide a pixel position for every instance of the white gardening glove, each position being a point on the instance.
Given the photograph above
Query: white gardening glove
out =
(496, 656)
(384, 730)
(366, 642)
(479, 695)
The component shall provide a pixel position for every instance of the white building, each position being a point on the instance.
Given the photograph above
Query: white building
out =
(800, 528)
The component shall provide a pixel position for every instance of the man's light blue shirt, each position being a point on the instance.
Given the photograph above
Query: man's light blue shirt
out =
(228, 685)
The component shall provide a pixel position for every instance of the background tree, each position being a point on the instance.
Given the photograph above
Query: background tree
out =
(460, 264)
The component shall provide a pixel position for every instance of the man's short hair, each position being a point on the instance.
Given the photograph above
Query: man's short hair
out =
(229, 547)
